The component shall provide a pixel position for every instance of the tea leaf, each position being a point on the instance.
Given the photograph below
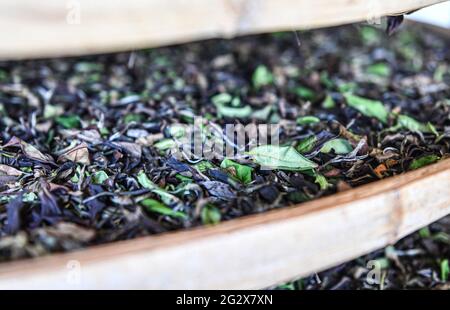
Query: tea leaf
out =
(166, 197)
(322, 181)
(29, 150)
(411, 124)
(305, 93)
(306, 145)
(99, 177)
(10, 171)
(370, 35)
(393, 23)
(204, 166)
(155, 206)
(423, 161)
(241, 172)
(232, 112)
(380, 69)
(281, 157)
(328, 102)
(340, 146)
(78, 154)
(445, 270)
(368, 107)
(221, 99)
(210, 215)
(262, 77)
(68, 122)
(305, 120)
(165, 144)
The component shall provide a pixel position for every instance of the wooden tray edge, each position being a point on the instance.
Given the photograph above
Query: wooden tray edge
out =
(55, 28)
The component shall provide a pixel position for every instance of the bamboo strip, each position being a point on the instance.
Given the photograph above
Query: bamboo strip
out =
(49, 28)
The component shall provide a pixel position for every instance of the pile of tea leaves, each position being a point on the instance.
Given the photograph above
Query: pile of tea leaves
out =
(88, 144)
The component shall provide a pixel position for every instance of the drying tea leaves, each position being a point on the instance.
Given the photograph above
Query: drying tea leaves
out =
(307, 144)
(305, 92)
(380, 69)
(407, 122)
(281, 157)
(328, 102)
(241, 172)
(322, 181)
(423, 161)
(99, 177)
(69, 122)
(262, 77)
(368, 107)
(28, 150)
(338, 146)
(306, 120)
(101, 148)
(153, 205)
(445, 270)
(210, 215)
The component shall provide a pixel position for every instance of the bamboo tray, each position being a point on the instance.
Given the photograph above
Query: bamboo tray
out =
(251, 252)
(48, 28)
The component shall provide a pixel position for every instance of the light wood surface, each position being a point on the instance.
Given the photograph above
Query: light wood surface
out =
(48, 28)
(254, 251)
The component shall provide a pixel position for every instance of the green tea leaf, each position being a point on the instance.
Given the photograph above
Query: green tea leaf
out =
(424, 232)
(165, 144)
(445, 270)
(165, 196)
(369, 35)
(262, 77)
(306, 145)
(242, 173)
(368, 107)
(233, 112)
(177, 130)
(423, 161)
(210, 215)
(328, 102)
(380, 69)
(325, 80)
(411, 124)
(340, 146)
(153, 205)
(132, 118)
(322, 181)
(221, 99)
(204, 166)
(347, 87)
(281, 157)
(99, 177)
(144, 181)
(29, 197)
(68, 122)
(183, 178)
(305, 120)
(305, 92)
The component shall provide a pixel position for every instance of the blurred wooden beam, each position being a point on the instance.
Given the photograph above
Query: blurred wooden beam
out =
(49, 28)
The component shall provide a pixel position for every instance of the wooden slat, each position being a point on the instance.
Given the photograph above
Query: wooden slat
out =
(47, 28)
(254, 251)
